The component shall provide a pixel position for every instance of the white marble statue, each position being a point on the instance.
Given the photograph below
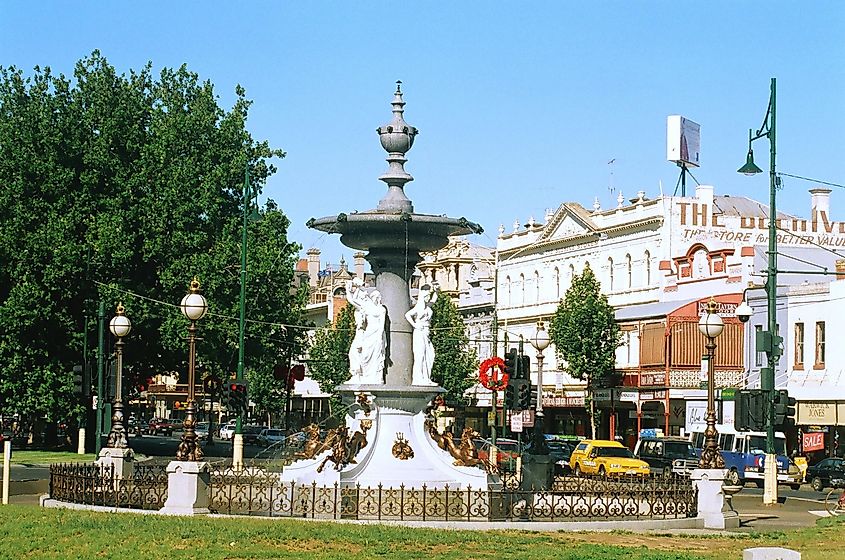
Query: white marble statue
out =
(419, 316)
(367, 353)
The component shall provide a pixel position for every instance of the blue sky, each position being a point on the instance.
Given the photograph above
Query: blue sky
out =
(520, 106)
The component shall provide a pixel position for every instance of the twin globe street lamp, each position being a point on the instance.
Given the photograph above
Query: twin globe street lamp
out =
(120, 325)
(711, 326)
(193, 307)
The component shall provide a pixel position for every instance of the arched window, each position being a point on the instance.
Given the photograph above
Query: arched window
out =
(522, 289)
(557, 283)
(610, 273)
(508, 290)
(536, 287)
(630, 266)
(647, 266)
(571, 273)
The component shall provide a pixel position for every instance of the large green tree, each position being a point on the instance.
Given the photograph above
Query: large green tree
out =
(585, 335)
(455, 362)
(329, 353)
(122, 187)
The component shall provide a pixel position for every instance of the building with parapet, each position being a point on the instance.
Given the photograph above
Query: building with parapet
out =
(659, 261)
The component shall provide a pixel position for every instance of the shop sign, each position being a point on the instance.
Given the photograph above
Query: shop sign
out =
(628, 396)
(728, 394)
(653, 396)
(696, 411)
(812, 441)
(602, 394)
(567, 401)
(652, 379)
(818, 413)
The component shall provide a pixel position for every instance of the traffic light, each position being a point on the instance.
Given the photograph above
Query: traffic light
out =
(510, 396)
(238, 400)
(511, 364)
(226, 397)
(784, 409)
(522, 388)
(750, 410)
(524, 367)
(79, 380)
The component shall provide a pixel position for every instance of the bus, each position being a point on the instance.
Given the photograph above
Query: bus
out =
(745, 454)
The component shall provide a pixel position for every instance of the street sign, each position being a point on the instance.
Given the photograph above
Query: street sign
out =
(491, 417)
(527, 418)
(516, 422)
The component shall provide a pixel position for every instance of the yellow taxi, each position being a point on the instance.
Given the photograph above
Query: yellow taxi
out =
(605, 458)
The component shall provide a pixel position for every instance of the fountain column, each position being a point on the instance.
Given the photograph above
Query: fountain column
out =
(393, 236)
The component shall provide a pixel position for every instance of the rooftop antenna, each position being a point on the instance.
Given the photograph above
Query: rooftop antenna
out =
(610, 187)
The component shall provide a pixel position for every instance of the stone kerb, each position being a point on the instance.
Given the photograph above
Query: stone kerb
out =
(770, 553)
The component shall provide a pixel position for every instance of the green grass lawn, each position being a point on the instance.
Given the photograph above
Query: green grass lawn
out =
(31, 457)
(35, 533)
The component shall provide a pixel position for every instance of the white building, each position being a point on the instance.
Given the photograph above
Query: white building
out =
(658, 261)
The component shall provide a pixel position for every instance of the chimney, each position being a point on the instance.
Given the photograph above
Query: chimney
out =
(313, 266)
(359, 265)
(819, 202)
(840, 269)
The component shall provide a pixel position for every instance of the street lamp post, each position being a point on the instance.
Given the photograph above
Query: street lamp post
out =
(772, 340)
(194, 308)
(540, 342)
(711, 327)
(120, 325)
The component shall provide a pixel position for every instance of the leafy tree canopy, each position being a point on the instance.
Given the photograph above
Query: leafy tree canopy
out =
(585, 334)
(455, 362)
(329, 353)
(584, 330)
(113, 185)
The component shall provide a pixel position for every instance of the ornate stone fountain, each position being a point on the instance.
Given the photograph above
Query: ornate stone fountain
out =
(400, 449)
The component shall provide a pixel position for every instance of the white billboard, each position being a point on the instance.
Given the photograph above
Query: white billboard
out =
(683, 141)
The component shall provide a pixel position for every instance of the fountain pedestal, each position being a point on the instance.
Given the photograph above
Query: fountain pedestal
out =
(398, 417)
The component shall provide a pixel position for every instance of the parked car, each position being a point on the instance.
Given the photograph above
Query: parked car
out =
(820, 474)
(163, 426)
(667, 455)
(506, 455)
(605, 458)
(561, 452)
(251, 433)
(270, 436)
(201, 429)
(227, 430)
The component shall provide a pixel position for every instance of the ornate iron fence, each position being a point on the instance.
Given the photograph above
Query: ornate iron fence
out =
(93, 484)
(255, 491)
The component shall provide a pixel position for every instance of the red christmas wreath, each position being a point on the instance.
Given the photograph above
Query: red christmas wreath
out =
(492, 374)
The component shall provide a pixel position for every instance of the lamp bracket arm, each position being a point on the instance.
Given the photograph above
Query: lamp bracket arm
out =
(766, 127)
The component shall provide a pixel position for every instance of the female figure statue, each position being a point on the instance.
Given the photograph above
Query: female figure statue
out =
(367, 354)
(419, 316)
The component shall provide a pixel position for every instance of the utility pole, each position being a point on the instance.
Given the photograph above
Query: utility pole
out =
(238, 438)
(101, 351)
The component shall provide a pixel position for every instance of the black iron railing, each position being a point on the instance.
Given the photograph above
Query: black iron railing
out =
(93, 484)
(254, 491)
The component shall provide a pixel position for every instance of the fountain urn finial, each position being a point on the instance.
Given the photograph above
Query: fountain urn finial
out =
(396, 137)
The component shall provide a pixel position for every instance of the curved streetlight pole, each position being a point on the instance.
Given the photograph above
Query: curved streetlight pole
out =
(772, 340)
